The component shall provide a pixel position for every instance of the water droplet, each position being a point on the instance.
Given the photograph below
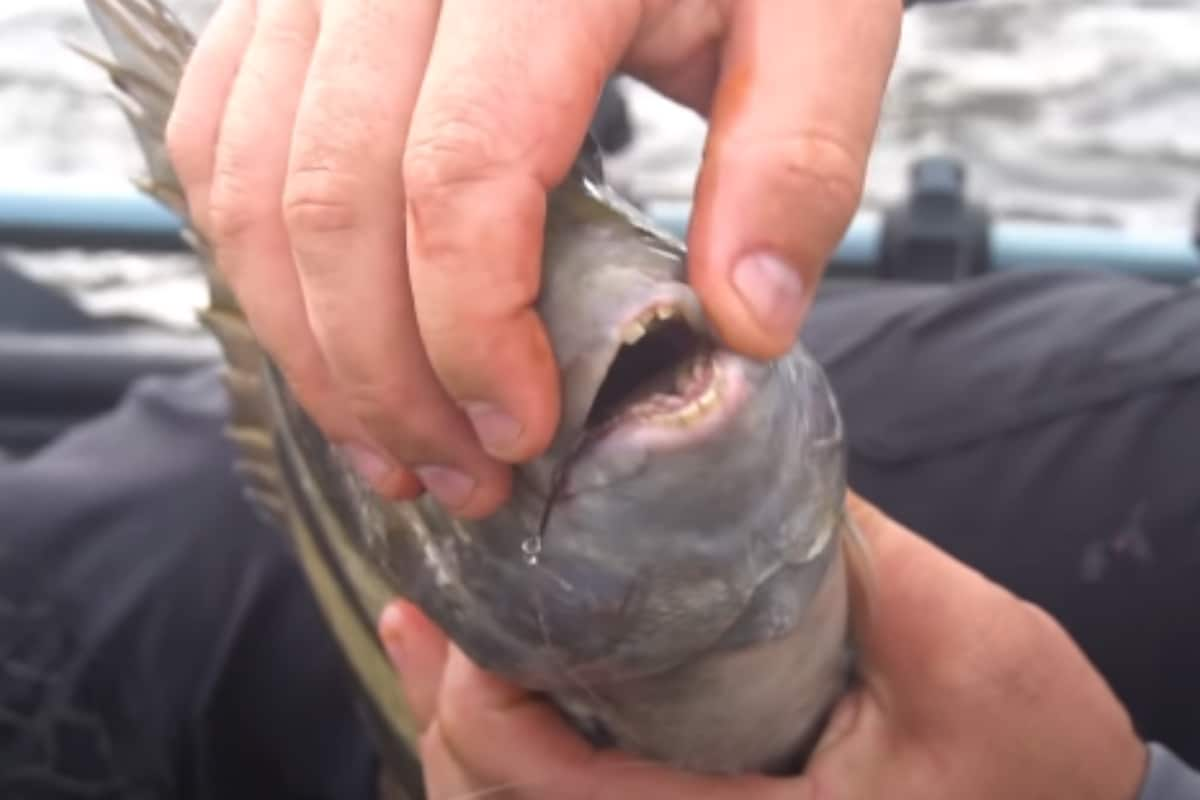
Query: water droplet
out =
(532, 548)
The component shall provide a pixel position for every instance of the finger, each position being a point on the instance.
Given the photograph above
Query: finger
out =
(445, 776)
(342, 206)
(505, 104)
(795, 113)
(676, 51)
(199, 107)
(928, 611)
(246, 221)
(418, 651)
(622, 776)
(477, 709)
(856, 751)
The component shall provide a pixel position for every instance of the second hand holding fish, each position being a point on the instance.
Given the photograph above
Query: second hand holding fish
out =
(967, 692)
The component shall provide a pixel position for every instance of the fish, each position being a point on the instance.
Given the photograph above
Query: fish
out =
(675, 573)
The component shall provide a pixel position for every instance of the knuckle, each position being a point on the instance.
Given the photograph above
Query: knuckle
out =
(824, 165)
(457, 147)
(234, 208)
(308, 380)
(412, 435)
(283, 31)
(320, 200)
(240, 197)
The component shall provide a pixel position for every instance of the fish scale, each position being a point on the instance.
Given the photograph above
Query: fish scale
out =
(665, 572)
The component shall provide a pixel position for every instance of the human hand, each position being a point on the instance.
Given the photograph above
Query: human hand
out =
(966, 691)
(371, 176)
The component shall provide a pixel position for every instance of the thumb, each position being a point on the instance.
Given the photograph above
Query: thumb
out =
(793, 120)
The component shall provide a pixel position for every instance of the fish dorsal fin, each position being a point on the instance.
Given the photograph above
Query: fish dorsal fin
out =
(150, 48)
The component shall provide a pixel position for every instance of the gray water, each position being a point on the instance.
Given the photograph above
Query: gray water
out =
(1061, 108)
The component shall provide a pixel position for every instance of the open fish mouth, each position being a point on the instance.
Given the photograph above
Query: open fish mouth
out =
(666, 374)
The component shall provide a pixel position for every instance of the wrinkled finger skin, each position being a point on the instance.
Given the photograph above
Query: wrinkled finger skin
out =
(372, 177)
(967, 691)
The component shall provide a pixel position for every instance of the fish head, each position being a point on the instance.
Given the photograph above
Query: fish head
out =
(688, 491)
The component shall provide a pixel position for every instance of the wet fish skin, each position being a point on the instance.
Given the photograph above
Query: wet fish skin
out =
(690, 600)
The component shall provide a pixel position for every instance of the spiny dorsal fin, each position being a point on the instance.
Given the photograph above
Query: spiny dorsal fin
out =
(150, 48)
(237, 340)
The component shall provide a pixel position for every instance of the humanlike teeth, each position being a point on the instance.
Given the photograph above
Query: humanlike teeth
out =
(635, 329)
(694, 410)
(632, 332)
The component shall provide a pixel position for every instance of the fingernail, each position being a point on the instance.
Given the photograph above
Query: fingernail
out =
(369, 464)
(772, 290)
(498, 431)
(391, 625)
(451, 487)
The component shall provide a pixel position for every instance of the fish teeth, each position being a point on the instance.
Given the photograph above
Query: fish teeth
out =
(686, 415)
(698, 407)
(632, 332)
(709, 399)
(636, 328)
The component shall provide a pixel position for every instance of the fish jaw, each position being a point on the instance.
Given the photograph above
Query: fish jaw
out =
(782, 687)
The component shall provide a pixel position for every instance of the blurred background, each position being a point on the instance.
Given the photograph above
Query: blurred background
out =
(1061, 109)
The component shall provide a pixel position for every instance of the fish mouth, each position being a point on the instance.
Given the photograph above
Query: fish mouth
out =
(665, 373)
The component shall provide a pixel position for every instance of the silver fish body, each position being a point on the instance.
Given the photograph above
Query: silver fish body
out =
(673, 573)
